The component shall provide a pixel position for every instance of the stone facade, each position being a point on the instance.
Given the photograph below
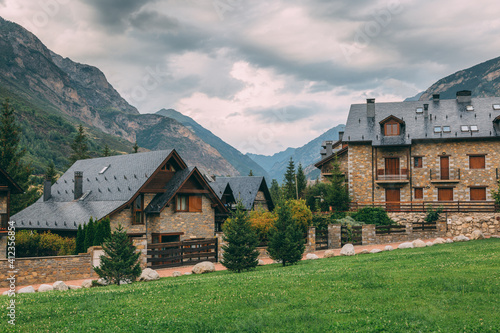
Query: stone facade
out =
(3, 202)
(260, 201)
(48, 269)
(360, 172)
(466, 223)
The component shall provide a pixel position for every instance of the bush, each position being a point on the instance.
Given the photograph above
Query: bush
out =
(372, 215)
(33, 244)
(433, 215)
(301, 213)
(262, 221)
(350, 222)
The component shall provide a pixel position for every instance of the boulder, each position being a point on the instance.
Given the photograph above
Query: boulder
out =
(125, 282)
(429, 244)
(149, 274)
(311, 256)
(364, 251)
(449, 241)
(388, 248)
(261, 262)
(72, 287)
(59, 285)
(188, 273)
(5, 293)
(102, 282)
(26, 290)
(439, 241)
(375, 251)
(477, 234)
(203, 267)
(45, 287)
(347, 250)
(406, 245)
(419, 243)
(329, 254)
(277, 261)
(87, 284)
(176, 274)
(460, 238)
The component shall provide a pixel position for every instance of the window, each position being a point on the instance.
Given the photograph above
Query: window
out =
(474, 128)
(445, 194)
(391, 129)
(437, 129)
(137, 210)
(168, 167)
(496, 106)
(470, 108)
(464, 128)
(188, 203)
(419, 193)
(418, 162)
(420, 110)
(446, 129)
(477, 162)
(478, 193)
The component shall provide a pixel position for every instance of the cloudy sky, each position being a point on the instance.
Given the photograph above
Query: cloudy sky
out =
(265, 75)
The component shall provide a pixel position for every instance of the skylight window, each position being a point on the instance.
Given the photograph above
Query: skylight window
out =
(103, 170)
(474, 128)
(420, 110)
(496, 106)
(446, 129)
(470, 108)
(437, 129)
(464, 128)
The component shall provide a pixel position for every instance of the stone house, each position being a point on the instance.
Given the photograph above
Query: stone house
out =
(7, 187)
(403, 156)
(154, 196)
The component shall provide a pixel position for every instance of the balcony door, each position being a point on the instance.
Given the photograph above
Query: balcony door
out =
(392, 166)
(392, 198)
(445, 167)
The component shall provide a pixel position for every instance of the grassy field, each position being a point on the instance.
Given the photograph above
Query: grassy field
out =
(444, 288)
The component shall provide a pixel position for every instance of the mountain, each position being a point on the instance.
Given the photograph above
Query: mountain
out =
(483, 80)
(52, 95)
(307, 155)
(241, 162)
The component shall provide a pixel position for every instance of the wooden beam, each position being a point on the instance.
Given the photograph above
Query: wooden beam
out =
(193, 191)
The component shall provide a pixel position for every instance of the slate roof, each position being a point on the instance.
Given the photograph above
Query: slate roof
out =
(102, 192)
(6, 179)
(243, 188)
(446, 112)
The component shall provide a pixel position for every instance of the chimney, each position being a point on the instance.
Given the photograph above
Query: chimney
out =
(464, 96)
(370, 107)
(341, 135)
(78, 184)
(426, 110)
(47, 189)
(435, 98)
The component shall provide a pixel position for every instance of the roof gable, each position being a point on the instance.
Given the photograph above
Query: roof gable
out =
(391, 118)
(6, 180)
(245, 189)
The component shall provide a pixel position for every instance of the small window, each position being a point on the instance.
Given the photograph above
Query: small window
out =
(417, 162)
(420, 110)
(474, 128)
(496, 106)
(182, 203)
(477, 162)
(437, 129)
(419, 193)
(470, 108)
(188, 203)
(478, 193)
(446, 129)
(137, 210)
(103, 170)
(391, 129)
(464, 128)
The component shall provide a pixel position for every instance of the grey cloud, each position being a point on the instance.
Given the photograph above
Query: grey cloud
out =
(287, 114)
(153, 21)
(114, 13)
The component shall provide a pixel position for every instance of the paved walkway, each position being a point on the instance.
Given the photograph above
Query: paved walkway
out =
(167, 272)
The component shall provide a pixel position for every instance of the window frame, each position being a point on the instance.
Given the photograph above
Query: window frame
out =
(419, 190)
(136, 211)
(389, 128)
(482, 162)
(177, 202)
(190, 203)
(419, 165)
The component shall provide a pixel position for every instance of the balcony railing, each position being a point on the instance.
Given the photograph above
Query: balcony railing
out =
(445, 174)
(422, 206)
(383, 174)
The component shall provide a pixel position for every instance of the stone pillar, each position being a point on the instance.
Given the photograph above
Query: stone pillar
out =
(3, 247)
(441, 225)
(220, 243)
(368, 234)
(311, 240)
(409, 229)
(334, 236)
(141, 243)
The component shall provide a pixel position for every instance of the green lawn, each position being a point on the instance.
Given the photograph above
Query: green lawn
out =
(444, 288)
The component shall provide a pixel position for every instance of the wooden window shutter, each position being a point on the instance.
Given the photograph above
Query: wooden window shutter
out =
(419, 193)
(195, 203)
(478, 193)
(477, 162)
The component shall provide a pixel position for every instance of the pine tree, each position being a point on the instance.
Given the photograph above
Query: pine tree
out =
(240, 252)
(286, 241)
(98, 233)
(275, 190)
(135, 147)
(80, 240)
(250, 174)
(51, 172)
(106, 227)
(337, 194)
(106, 152)
(120, 262)
(89, 235)
(301, 181)
(289, 188)
(79, 146)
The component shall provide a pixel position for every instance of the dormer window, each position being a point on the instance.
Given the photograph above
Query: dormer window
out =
(392, 126)
(470, 108)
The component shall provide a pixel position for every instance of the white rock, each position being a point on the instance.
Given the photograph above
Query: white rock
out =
(388, 248)
(125, 282)
(59, 285)
(311, 256)
(364, 251)
(449, 241)
(203, 267)
(460, 238)
(406, 245)
(5, 293)
(45, 287)
(188, 273)
(87, 283)
(329, 254)
(375, 251)
(103, 282)
(277, 261)
(261, 262)
(149, 274)
(72, 287)
(429, 244)
(176, 274)
(419, 243)
(439, 241)
(495, 236)
(347, 250)
(26, 290)
(477, 234)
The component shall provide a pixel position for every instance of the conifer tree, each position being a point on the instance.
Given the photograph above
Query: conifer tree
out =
(106, 152)
(250, 174)
(301, 181)
(276, 192)
(98, 233)
(135, 147)
(79, 146)
(89, 235)
(51, 172)
(120, 262)
(286, 241)
(80, 240)
(337, 194)
(289, 185)
(240, 252)
(106, 227)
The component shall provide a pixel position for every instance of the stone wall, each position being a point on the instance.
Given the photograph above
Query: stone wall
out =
(48, 269)
(360, 172)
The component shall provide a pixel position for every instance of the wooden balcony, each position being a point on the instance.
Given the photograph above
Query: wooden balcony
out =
(385, 176)
(445, 175)
(422, 206)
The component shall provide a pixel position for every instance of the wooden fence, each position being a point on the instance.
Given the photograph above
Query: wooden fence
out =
(321, 239)
(352, 235)
(189, 252)
(424, 226)
(422, 206)
(390, 229)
